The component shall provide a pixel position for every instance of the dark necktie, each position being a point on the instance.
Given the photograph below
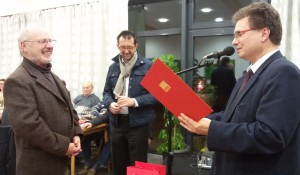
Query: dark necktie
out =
(246, 79)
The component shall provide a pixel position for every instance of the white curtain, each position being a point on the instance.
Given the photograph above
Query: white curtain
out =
(289, 12)
(86, 40)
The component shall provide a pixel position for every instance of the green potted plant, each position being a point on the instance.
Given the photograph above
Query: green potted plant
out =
(177, 139)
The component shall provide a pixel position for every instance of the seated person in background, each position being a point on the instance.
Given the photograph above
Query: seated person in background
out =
(2, 81)
(83, 103)
(99, 116)
(101, 161)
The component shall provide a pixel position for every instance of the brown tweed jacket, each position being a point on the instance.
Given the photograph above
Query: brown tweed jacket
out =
(43, 119)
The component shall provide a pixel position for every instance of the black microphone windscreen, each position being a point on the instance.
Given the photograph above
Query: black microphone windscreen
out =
(229, 50)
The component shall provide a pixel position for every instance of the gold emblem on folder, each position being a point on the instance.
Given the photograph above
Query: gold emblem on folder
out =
(165, 87)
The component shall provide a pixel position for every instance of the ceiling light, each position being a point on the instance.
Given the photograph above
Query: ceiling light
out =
(218, 19)
(163, 19)
(206, 10)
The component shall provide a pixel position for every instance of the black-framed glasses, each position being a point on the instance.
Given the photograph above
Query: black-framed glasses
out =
(239, 33)
(126, 47)
(43, 41)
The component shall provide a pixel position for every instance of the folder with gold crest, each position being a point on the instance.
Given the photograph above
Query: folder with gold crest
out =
(173, 92)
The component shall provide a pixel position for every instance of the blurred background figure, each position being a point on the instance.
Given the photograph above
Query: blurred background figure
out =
(2, 81)
(83, 103)
(223, 79)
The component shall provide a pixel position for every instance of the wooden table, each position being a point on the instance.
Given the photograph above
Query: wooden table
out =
(86, 131)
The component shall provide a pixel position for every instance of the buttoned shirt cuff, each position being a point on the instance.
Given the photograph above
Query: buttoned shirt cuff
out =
(135, 103)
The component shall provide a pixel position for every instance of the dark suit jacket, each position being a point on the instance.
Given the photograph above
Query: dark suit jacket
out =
(43, 119)
(259, 131)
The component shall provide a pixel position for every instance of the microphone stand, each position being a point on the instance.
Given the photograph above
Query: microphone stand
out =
(207, 62)
(192, 68)
(170, 154)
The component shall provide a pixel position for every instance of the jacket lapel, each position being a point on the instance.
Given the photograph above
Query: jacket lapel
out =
(62, 88)
(43, 81)
(236, 97)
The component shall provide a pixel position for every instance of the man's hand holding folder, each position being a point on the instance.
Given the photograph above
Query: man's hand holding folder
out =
(200, 127)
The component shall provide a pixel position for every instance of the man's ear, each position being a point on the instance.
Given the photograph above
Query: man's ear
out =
(265, 34)
(22, 44)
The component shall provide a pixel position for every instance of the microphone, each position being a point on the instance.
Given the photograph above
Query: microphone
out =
(228, 51)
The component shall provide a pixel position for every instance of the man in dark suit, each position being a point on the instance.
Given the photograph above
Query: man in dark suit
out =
(40, 110)
(224, 80)
(259, 131)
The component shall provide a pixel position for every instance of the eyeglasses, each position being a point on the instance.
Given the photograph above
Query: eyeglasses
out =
(240, 33)
(44, 41)
(126, 47)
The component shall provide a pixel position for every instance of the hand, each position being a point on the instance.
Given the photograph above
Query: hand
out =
(74, 147)
(114, 108)
(200, 127)
(86, 125)
(76, 141)
(149, 141)
(82, 121)
(124, 101)
(72, 150)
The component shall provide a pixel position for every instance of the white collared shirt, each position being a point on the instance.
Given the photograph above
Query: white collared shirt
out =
(254, 67)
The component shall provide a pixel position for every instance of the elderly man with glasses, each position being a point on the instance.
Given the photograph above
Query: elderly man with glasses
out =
(40, 110)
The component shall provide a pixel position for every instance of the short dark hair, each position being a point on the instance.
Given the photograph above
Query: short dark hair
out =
(2, 79)
(128, 35)
(262, 15)
(225, 60)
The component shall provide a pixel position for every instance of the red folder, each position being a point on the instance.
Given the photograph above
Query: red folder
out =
(173, 92)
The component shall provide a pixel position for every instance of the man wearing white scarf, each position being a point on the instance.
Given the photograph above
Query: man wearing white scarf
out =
(131, 107)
